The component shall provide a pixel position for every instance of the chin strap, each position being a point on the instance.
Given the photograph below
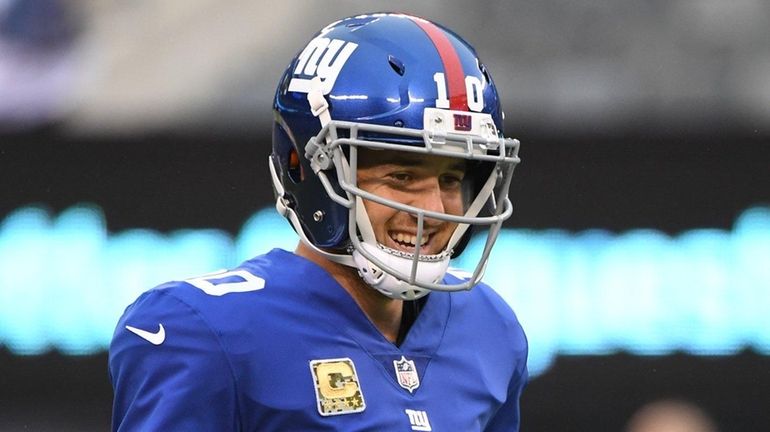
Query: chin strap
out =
(363, 223)
(319, 106)
(474, 208)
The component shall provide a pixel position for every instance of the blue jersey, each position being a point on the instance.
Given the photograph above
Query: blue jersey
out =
(278, 345)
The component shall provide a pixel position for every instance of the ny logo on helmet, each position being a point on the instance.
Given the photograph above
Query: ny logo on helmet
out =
(322, 57)
(463, 122)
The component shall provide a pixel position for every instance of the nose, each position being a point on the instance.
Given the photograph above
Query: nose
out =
(430, 198)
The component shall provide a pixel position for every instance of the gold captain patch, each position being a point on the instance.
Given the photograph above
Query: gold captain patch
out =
(337, 389)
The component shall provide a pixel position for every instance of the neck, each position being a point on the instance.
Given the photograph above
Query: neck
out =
(383, 312)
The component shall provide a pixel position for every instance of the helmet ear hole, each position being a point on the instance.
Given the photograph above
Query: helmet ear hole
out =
(293, 159)
(289, 161)
(295, 167)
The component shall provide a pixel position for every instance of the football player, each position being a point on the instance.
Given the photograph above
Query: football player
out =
(388, 150)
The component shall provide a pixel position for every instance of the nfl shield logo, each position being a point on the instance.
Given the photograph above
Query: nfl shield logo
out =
(406, 373)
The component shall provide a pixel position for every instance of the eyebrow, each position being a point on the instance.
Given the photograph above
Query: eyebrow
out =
(402, 160)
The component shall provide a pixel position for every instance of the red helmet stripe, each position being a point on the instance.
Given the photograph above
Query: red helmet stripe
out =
(453, 69)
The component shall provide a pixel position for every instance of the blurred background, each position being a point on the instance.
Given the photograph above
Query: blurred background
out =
(133, 146)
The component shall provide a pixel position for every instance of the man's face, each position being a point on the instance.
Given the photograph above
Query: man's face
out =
(427, 182)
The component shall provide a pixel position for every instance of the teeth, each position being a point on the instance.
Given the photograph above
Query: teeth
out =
(409, 239)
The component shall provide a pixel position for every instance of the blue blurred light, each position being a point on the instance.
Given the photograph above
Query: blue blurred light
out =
(64, 281)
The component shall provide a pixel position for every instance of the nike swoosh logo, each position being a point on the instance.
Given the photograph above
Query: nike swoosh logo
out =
(156, 338)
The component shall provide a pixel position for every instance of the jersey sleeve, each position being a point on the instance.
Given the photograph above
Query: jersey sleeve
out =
(168, 370)
(508, 416)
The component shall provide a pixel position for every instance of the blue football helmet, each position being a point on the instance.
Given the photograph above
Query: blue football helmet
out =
(394, 82)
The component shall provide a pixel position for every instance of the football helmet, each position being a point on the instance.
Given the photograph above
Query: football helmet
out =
(400, 83)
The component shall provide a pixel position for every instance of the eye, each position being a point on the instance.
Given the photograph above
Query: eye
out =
(401, 177)
(451, 181)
